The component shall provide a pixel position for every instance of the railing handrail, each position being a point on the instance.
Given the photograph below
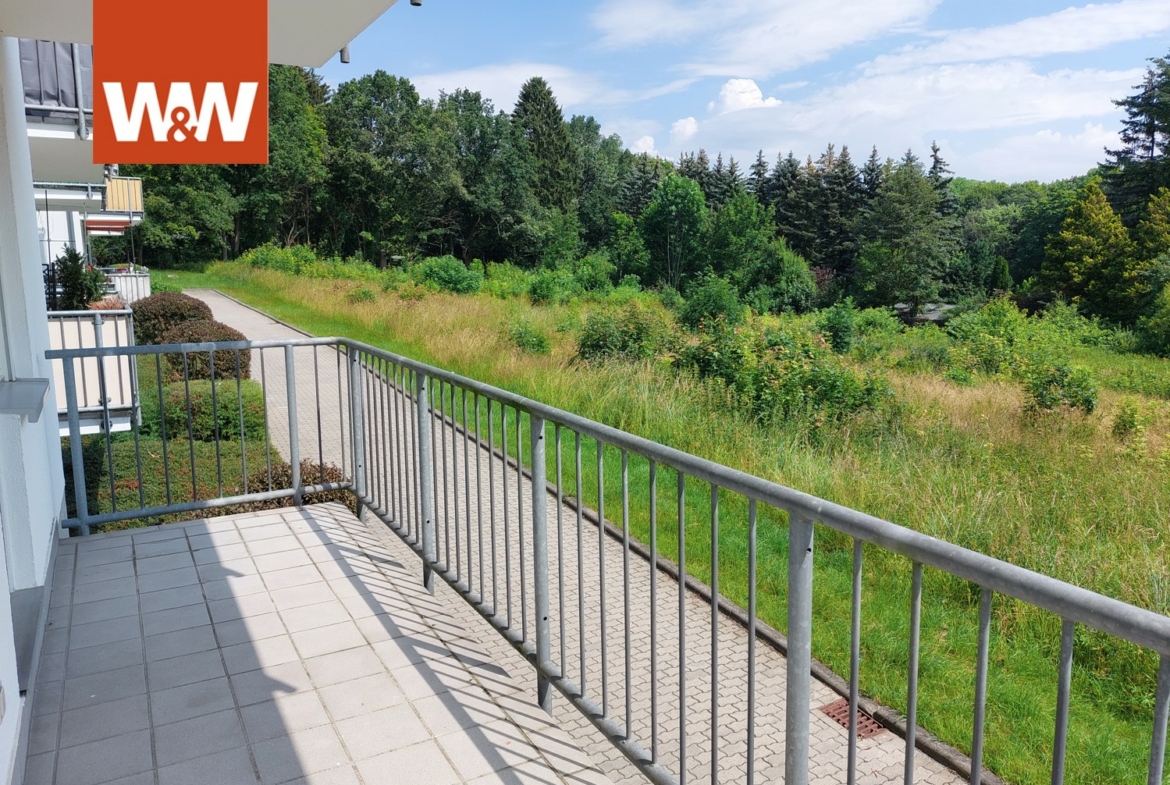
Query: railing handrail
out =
(1137, 625)
(88, 314)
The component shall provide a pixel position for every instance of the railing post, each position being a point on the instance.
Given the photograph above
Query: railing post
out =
(80, 495)
(294, 437)
(800, 582)
(357, 428)
(422, 397)
(540, 564)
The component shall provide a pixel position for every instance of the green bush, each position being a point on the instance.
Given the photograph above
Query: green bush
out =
(711, 299)
(448, 274)
(551, 287)
(1050, 386)
(301, 260)
(838, 324)
(528, 338)
(633, 332)
(783, 374)
(159, 313)
(505, 280)
(1154, 330)
(204, 416)
(594, 273)
(878, 321)
(362, 294)
(198, 365)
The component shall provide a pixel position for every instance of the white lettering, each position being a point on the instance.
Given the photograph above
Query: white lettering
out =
(180, 125)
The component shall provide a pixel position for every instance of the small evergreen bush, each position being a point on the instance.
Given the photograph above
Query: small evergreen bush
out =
(448, 274)
(159, 313)
(198, 365)
(528, 338)
(362, 294)
(80, 284)
(549, 287)
(505, 280)
(713, 298)
(1050, 386)
(633, 332)
(204, 416)
(838, 324)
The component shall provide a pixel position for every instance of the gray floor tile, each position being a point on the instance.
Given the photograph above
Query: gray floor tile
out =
(38, 769)
(326, 640)
(238, 586)
(253, 628)
(104, 687)
(233, 766)
(183, 618)
(298, 596)
(104, 720)
(106, 657)
(42, 736)
(285, 715)
(147, 550)
(168, 563)
(423, 762)
(273, 546)
(185, 669)
(344, 775)
(171, 598)
(286, 579)
(306, 752)
(170, 579)
(309, 617)
(274, 682)
(104, 610)
(239, 607)
(84, 576)
(382, 731)
(198, 737)
(361, 696)
(102, 761)
(89, 558)
(174, 644)
(47, 698)
(283, 560)
(264, 653)
(220, 554)
(191, 700)
(96, 633)
(214, 540)
(105, 590)
(344, 666)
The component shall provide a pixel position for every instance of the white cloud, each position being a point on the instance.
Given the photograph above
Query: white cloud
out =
(755, 37)
(1049, 154)
(739, 94)
(1081, 29)
(683, 130)
(644, 145)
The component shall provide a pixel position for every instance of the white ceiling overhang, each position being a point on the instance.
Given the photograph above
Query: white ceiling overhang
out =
(300, 32)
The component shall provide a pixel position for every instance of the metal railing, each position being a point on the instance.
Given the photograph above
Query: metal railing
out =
(105, 390)
(468, 474)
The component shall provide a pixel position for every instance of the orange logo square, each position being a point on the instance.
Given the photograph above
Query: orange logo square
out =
(180, 81)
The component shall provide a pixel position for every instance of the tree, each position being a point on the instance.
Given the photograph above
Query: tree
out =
(907, 243)
(674, 228)
(604, 167)
(542, 125)
(872, 175)
(1153, 232)
(1141, 166)
(1091, 260)
(627, 251)
(642, 179)
(839, 201)
(757, 181)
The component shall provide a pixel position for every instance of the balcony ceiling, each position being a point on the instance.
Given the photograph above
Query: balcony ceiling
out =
(300, 32)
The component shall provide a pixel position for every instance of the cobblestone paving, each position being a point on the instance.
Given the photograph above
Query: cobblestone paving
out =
(480, 499)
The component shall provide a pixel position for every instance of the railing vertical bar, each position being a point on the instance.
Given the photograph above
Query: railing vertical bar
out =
(387, 394)
(398, 434)
(103, 391)
(751, 674)
(377, 376)
(341, 411)
(441, 435)
(912, 676)
(540, 582)
(1063, 695)
(520, 525)
(267, 433)
(80, 495)
(215, 420)
(455, 483)
(190, 426)
(410, 377)
(985, 596)
(491, 422)
(1161, 719)
(602, 577)
(855, 659)
(682, 629)
(370, 428)
(507, 529)
(467, 493)
(135, 425)
(628, 643)
(426, 500)
(799, 676)
(243, 429)
(560, 549)
(653, 612)
(294, 437)
(714, 635)
(479, 496)
(578, 505)
(317, 400)
(162, 416)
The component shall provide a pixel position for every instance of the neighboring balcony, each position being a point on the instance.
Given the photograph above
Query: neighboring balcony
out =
(305, 638)
(58, 103)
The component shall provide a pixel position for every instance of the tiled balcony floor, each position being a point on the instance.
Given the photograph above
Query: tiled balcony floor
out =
(280, 647)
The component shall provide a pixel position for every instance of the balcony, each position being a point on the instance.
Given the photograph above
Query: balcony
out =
(555, 647)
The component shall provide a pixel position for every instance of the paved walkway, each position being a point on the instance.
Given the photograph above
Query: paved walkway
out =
(293, 647)
(472, 510)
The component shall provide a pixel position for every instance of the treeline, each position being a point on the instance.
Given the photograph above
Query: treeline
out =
(374, 172)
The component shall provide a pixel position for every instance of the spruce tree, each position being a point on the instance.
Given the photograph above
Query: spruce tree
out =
(544, 129)
(948, 205)
(872, 175)
(757, 180)
(841, 200)
(1141, 165)
(1153, 232)
(643, 177)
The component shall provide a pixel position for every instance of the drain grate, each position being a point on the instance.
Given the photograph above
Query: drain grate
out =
(839, 713)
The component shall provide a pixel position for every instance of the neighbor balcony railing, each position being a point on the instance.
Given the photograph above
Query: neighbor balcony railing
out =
(420, 449)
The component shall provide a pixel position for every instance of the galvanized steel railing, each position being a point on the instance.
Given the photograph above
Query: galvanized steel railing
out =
(421, 447)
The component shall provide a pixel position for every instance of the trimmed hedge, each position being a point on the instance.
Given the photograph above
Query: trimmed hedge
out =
(205, 416)
(154, 316)
(199, 363)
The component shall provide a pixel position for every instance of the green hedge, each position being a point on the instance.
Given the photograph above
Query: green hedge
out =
(204, 417)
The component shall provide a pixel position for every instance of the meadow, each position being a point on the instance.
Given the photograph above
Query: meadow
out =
(956, 453)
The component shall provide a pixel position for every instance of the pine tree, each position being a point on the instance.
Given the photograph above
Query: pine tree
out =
(840, 202)
(1091, 260)
(1153, 233)
(872, 175)
(948, 205)
(757, 181)
(1001, 276)
(644, 176)
(543, 126)
(1142, 164)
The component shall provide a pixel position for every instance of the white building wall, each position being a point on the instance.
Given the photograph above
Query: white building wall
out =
(31, 479)
(58, 230)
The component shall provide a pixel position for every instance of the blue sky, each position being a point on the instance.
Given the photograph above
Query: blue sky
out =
(1010, 90)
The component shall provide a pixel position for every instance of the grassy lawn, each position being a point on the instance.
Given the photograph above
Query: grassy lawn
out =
(1055, 493)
